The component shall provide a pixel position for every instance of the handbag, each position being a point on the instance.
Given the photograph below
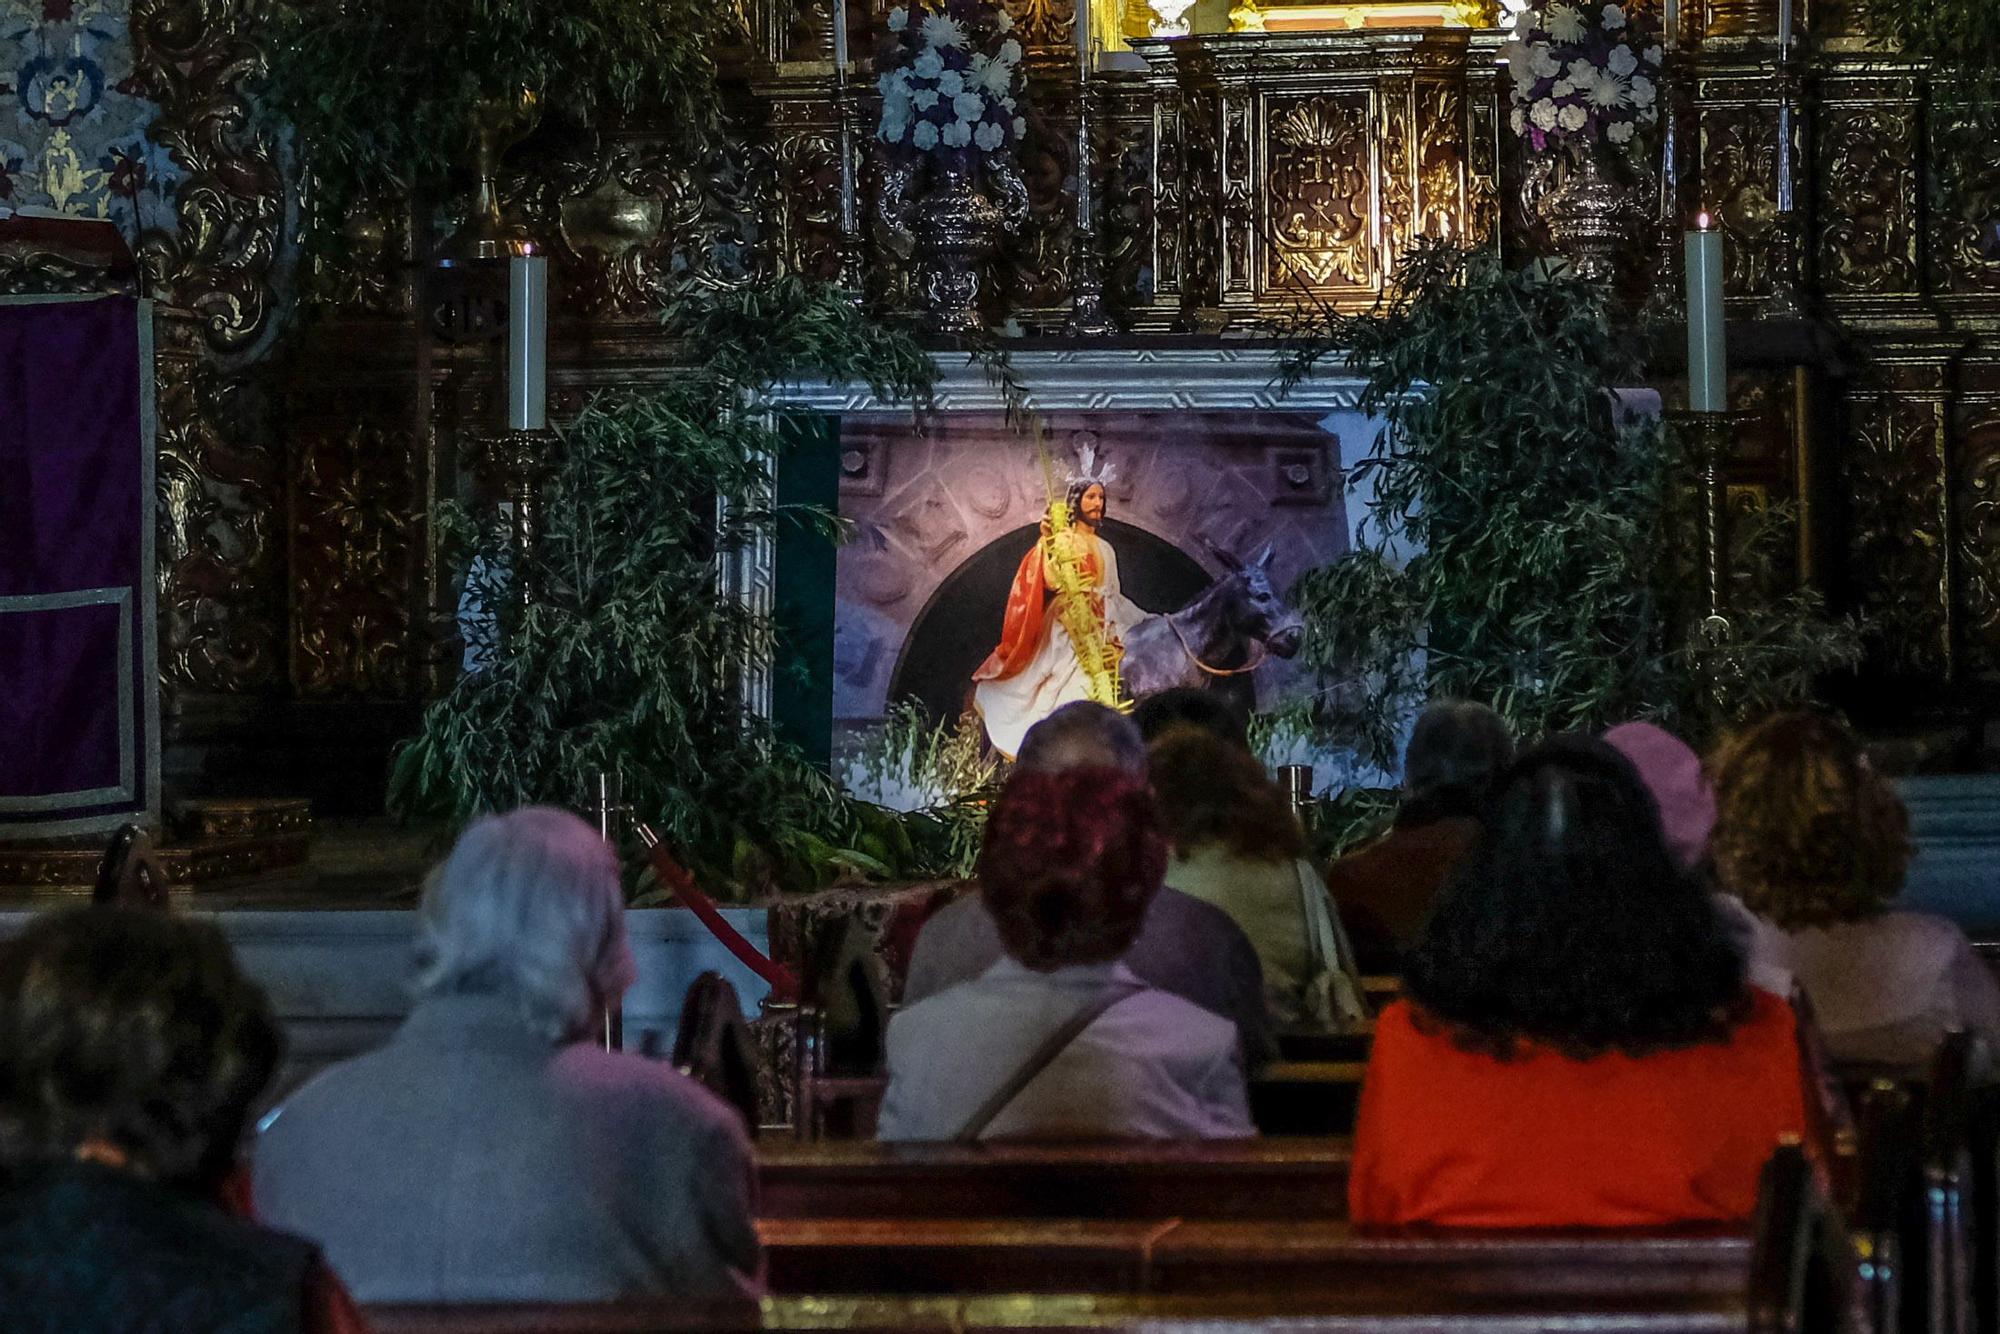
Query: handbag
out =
(1330, 998)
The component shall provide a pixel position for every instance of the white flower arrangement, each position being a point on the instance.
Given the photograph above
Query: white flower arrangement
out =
(951, 81)
(1582, 73)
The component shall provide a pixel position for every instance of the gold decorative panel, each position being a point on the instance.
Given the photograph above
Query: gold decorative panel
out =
(1978, 475)
(1323, 191)
(1870, 142)
(1332, 152)
(1898, 477)
(357, 522)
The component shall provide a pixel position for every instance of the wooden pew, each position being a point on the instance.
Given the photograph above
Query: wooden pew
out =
(1307, 1097)
(1297, 1260)
(1292, 1179)
(1111, 1314)
(1616, 1283)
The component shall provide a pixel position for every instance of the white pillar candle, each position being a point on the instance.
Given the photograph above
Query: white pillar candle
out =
(840, 33)
(1670, 23)
(1784, 27)
(1708, 358)
(527, 343)
(1083, 38)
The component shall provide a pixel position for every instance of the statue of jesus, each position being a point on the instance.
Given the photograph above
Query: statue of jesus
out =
(1037, 666)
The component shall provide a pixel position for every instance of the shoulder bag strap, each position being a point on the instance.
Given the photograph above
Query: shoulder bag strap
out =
(1327, 944)
(1040, 1059)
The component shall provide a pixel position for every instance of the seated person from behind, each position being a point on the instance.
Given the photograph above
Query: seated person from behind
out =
(1184, 706)
(1675, 776)
(1061, 1040)
(1816, 843)
(1237, 845)
(1385, 890)
(492, 1151)
(131, 1050)
(1577, 1046)
(1185, 946)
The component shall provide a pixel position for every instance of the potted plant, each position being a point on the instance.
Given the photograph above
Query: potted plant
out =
(1585, 82)
(388, 97)
(951, 120)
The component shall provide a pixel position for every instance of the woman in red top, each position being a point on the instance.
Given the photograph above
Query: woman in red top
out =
(1578, 1047)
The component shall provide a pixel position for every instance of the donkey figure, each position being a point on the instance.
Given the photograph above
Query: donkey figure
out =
(1229, 628)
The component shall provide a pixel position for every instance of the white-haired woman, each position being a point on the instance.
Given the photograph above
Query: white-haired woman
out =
(491, 1151)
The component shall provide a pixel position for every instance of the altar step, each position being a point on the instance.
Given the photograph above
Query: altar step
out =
(208, 843)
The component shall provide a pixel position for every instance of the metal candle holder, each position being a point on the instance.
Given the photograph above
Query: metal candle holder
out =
(1712, 437)
(1667, 302)
(1087, 318)
(852, 275)
(518, 462)
(1787, 299)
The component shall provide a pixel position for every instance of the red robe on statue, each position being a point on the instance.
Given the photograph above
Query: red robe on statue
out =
(1034, 668)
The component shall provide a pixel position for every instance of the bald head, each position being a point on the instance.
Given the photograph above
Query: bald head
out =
(1083, 735)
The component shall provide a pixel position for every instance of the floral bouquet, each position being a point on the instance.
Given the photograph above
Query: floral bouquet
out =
(1583, 73)
(951, 81)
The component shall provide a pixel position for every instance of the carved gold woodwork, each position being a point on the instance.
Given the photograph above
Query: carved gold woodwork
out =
(1739, 172)
(45, 264)
(1966, 216)
(1978, 478)
(357, 529)
(1359, 15)
(197, 59)
(1898, 477)
(1870, 142)
(372, 273)
(807, 150)
(1311, 163)
(220, 493)
(221, 485)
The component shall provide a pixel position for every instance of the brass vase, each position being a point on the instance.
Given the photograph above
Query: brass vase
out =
(1588, 214)
(498, 123)
(957, 234)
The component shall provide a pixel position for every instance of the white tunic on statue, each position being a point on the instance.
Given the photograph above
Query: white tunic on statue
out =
(1052, 678)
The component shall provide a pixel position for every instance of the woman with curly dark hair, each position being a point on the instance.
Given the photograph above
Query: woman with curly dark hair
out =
(131, 1051)
(1816, 843)
(1577, 1046)
(1060, 1039)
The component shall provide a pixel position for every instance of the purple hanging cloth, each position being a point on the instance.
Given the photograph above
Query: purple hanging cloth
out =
(79, 684)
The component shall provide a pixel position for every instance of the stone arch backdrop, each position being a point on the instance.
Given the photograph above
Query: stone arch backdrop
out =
(924, 505)
(1208, 452)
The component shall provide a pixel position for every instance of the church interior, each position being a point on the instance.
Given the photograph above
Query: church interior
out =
(930, 488)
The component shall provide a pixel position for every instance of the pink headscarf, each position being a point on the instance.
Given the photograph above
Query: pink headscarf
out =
(1672, 773)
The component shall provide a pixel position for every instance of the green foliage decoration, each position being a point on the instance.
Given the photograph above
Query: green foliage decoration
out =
(1522, 547)
(624, 658)
(942, 775)
(382, 93)
(1961, 38)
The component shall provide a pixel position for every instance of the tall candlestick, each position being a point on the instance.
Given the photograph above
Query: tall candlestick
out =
(528, 343)
(1708, 357)
(840, 34)
(1786, 168)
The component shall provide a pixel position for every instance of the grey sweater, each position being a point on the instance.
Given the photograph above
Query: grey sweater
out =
(469, 1160)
